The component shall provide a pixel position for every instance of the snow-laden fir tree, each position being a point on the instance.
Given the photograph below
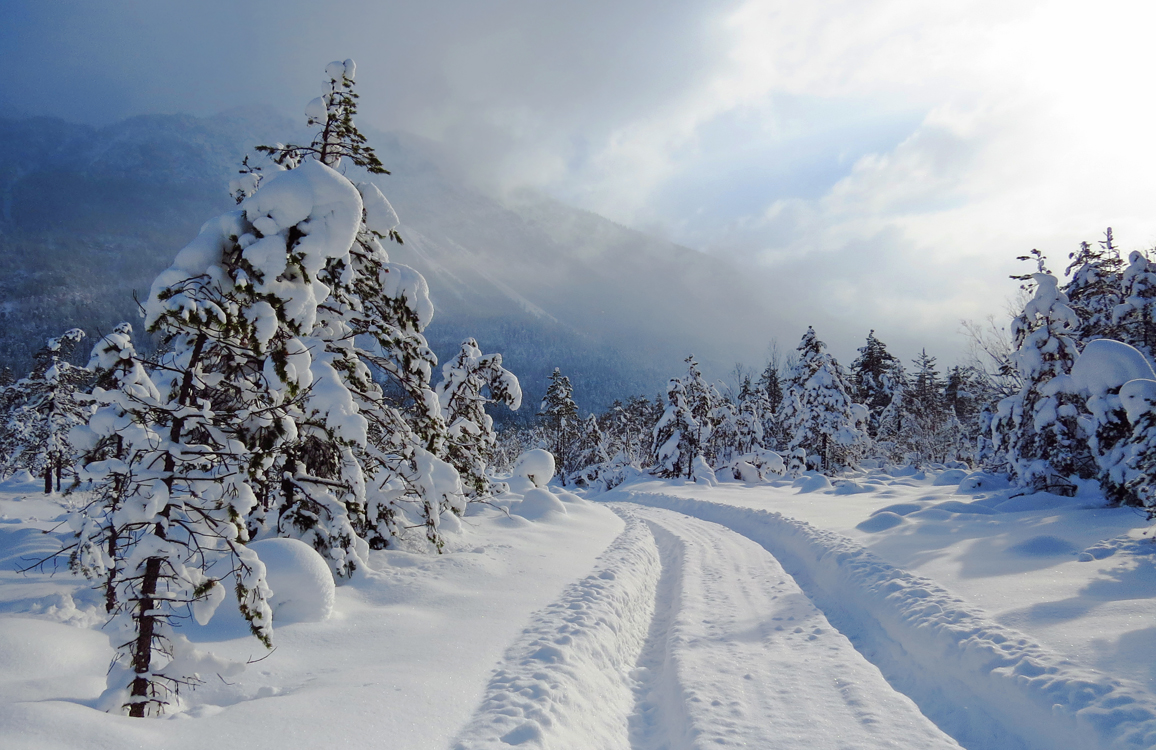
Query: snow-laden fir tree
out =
(929, 428)
(1094, 288)
(629, 429)
(876, 375)
(1037, 429)
(675, 443)
(703, 400)
(593, 453)
(748, 421)
(1135, 316)
(769, 401)
(818, 413)
(560, 423)
(469, 382)
(377, 445)
(1139, 401)
(41, 409)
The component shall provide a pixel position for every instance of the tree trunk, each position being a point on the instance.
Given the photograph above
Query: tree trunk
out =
(146, 622)
(142, 650)
(48, 479)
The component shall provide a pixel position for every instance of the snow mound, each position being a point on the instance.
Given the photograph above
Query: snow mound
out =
(538, 504)
(955, 506)
(900, 509)
(951, 476)
(302, 585)
(881, 522)
(22, 481)
(42, 660)
(1125, 544)
(560, 684)
(1044, 545)
(536, 465)
(812, 483)
(981, 481)
(851, 488)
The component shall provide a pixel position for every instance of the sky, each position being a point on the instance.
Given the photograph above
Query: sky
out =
(880, 161)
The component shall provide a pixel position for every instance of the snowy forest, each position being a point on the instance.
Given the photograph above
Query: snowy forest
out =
(278, 384)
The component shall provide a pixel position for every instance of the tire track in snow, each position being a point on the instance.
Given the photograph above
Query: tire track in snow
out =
(988, 685)
(565, 682)
(739, 656)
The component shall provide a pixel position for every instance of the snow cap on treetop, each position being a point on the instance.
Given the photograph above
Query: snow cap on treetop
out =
(336, 69)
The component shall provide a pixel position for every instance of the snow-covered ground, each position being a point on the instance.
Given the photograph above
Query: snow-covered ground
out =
(885, 611)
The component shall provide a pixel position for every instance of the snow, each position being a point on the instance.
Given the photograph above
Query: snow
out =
(536, 465)
(905, 609)
(302, 585)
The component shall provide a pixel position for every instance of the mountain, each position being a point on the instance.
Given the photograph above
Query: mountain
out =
(88, 216)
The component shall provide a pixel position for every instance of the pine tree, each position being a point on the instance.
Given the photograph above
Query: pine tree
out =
(675, 440)
(1135, 316)
(41, 409)
(1094, 288)
(931, 431)
(818, 414)
(559, 416)
(469, 382)
(875, 377)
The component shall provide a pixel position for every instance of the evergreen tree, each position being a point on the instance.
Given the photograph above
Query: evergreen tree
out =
(1094, 288)
(41, 409)
(559, 416)
(769, 401)
(469, 382)
(875, 377)
(1037, 429)
(675, 440)
(1135, 316)
(818, 414)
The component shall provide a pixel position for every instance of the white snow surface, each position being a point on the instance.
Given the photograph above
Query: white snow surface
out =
(901, 609)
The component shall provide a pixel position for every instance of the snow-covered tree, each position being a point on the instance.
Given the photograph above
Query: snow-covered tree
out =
(929, 429)
(875, 377)
(41, 409)
(675, 443)
(818, 415)
(1138, 398)
(1037, 429)
(1135, 316)
(469, 382)
(1094, 288)
(560, 421)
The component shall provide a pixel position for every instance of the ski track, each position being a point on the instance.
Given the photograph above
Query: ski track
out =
(987, 685)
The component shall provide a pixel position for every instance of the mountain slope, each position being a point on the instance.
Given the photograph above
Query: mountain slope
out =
(91, 214)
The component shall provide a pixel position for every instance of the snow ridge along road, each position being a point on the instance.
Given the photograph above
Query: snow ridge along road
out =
(688, 635)
(564, 683)
(988, 685)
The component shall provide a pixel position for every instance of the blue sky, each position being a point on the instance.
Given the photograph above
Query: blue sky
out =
(881, 160)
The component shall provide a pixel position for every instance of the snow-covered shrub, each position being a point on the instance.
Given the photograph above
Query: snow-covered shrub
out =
(537, 465)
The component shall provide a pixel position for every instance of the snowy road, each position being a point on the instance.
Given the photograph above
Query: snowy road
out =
(688, 635)
(747, 660)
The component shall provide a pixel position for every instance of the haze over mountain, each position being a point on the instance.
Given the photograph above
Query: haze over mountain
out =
(91, 214)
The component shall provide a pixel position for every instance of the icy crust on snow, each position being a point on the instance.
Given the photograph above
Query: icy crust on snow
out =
(561, 684)
(986, 684)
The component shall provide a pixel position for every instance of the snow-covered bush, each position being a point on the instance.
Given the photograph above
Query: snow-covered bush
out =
(299, 579)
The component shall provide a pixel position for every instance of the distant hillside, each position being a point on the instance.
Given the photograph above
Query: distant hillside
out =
(90, 215)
